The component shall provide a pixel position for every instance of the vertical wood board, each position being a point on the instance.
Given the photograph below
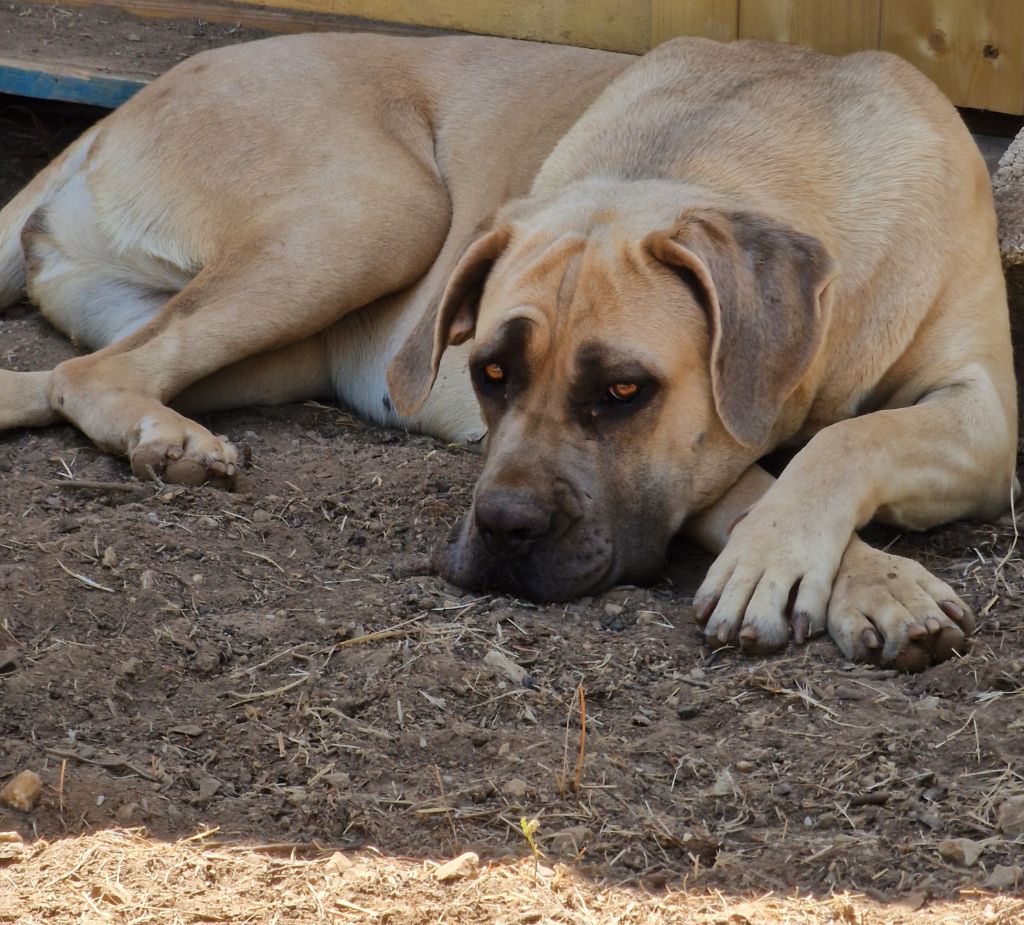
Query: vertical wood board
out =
(837, 26)
(714, 19)
(973, 49)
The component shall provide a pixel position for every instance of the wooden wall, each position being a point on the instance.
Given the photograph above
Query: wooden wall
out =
(974, 49)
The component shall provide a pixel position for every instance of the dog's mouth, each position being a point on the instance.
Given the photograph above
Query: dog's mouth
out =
(582, 563)
(579, 564)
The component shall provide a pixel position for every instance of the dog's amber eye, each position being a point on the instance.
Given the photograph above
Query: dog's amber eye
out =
(494, 373)
(623, 391)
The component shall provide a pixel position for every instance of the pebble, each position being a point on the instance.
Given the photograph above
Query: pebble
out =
(500, 661)
(614, 610)
(109, 557)
(961, 851)
(126, 813)
(1010, 818)
(22, 791)
(11, 846)
(338, 780)
(465, 865)
(744, 766)
(208, 786)
(570, 840)
(515, 788)
(338, 864)
(8, 661)
(1005, 877)
(688, 710)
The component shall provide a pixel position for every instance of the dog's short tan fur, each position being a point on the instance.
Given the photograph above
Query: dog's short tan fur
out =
(735, 248)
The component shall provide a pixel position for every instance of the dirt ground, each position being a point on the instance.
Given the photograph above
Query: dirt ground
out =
(258, 680)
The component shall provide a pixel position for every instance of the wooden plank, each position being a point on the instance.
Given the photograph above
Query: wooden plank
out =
(51, 81)
(836, 26)
(714, 19)
(268, 18)
(618, 25)
(974, 51)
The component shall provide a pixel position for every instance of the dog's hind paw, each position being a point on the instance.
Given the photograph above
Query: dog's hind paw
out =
(892, 611)
(177, 450)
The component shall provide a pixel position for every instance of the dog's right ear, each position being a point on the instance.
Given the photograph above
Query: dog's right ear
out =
(412, 372)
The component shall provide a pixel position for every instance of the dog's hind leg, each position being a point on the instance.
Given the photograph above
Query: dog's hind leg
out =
(277, 284)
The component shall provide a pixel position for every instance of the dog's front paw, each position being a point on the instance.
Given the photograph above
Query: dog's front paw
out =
(770, 583)
(892, 611)
(175, 449)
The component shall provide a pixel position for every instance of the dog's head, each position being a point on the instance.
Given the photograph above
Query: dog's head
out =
(628, 370)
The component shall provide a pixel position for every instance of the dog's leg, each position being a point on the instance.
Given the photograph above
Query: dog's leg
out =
(23, 401)
(266, 292)
(792, 550)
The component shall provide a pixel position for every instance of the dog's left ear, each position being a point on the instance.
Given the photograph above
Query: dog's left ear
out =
(763, 284)
(412, 372)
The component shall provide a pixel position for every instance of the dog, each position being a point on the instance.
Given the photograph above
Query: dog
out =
(637, 277)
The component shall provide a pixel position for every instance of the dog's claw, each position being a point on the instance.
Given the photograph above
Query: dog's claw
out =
(801, 627)
(871, 640)
(704, 610)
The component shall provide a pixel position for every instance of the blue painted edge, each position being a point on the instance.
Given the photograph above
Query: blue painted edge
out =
(75, 85)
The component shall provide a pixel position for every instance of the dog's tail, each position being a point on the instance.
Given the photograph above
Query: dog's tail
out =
(18, 211)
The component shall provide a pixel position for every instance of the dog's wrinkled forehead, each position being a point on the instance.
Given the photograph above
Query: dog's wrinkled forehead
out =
(565, 304)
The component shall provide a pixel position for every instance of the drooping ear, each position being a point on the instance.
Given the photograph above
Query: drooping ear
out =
(763, 284)
(412, 372)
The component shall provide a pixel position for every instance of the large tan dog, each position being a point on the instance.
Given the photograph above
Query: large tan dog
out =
(732, 248)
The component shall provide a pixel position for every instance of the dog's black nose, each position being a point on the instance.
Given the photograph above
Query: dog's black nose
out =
(511, 522)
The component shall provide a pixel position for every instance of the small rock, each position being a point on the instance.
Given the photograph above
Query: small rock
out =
(724, 784)
(465, 865)
(131, 667)
(109, 557)
(259, 516)
(614, 610)
(504, 664)
(147, 580)
(961, 851)
(11, 846)
(188, 729)
(744, 766)
(1010, 818)
(338, 864)
(126, 813)
(570, 841)
(8, 661)
(1005, 877)
(929, 819)
(638, 719)
(688, 710)
(338, 780)
(22, 791)
(133, 37)
(514, 788)
(207, 662)
(208, 787)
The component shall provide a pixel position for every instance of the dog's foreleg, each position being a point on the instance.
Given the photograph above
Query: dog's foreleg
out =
(789, 557)
(23, 401)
